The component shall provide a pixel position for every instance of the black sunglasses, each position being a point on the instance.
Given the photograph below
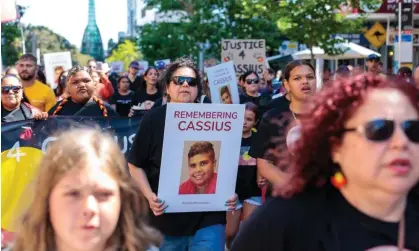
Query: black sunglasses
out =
(6, 89)
(382, 130)
(252, 81)
(179, 80)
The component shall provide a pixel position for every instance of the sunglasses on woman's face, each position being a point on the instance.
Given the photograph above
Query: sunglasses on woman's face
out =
(6, 89)
(179, 80)
(252, 81)
(382, 129)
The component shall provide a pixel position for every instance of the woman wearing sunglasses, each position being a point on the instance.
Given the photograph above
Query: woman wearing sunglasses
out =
(182, 231)
(354, 170)
(13, 107)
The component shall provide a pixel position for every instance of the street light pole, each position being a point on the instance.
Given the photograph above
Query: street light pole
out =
(399, 55)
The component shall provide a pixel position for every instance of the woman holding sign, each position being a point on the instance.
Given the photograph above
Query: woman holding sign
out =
(12, 106)
(81, 101)
(183, 231)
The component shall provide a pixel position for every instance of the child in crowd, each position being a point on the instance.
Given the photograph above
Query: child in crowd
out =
(85, 199)
(248, 179)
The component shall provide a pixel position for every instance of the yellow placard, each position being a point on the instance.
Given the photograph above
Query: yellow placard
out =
(376, 35)
(19, 166)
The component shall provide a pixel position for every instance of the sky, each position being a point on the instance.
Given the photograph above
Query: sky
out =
(69, 17)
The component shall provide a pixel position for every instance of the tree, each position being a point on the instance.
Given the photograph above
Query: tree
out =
(311, 22)
(125, 52)
(204, 21)
(48, 42)
(11, 46)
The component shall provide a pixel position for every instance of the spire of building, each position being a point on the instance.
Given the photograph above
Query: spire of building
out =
(92, 41)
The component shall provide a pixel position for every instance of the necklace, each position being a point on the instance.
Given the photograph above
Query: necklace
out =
(401, 235)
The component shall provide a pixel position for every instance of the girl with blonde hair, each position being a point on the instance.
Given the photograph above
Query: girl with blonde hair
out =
(85, 199)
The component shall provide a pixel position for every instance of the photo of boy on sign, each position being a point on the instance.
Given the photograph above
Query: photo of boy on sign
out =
(201, 167)
(225, 95)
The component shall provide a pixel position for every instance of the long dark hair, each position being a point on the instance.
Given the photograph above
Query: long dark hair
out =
(172, 68)
(291, 65)
(143, 83)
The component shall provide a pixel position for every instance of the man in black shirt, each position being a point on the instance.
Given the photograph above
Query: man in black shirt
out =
(135, 81)
(183, 231)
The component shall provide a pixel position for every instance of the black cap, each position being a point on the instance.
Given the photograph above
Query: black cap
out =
(373, 57)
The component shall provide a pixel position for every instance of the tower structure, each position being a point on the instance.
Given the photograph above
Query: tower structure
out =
(131, 17)
(92, 41)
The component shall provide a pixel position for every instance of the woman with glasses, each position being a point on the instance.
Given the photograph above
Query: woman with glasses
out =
(300, 83)
(81, 100)
(182, 231)
(353, 172)
(13, 105)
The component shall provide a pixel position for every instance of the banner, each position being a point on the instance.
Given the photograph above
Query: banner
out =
(55, 64)
(223, 84)
(247, 54)
(23, 144)
(8, 11)
(201, 149)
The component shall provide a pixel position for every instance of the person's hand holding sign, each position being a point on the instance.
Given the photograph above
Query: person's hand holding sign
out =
(232, 202)
(156, 205)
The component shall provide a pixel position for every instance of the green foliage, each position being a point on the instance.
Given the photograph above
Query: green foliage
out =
(11, 43)
(311, 22)
(125, 52)
(206, 20)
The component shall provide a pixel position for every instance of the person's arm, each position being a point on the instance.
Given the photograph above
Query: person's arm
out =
(139, 176)
(113, 106)
(272, 173)
(50, 100)
(137, 163)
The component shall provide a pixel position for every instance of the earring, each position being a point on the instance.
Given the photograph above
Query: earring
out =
(338, 180)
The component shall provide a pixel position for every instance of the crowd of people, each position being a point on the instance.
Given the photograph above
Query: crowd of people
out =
(332, 169)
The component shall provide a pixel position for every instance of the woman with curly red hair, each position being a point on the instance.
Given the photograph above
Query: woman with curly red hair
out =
(353, 172)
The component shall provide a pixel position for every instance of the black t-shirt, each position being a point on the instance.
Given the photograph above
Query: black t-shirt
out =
(282, 103)
(141, 96)
(91, 108)
(272, 127)
(322, 220)
(135, 85)
(146, 153)
(246, 185)
(122, 102)
(159, 102)
(23, 112)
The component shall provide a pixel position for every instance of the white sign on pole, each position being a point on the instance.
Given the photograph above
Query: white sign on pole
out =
(247, 54)
(117, 66)
(223, 84)
(55, 64)
(201, 150)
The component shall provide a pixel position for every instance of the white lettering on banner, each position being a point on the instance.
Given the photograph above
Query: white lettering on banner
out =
(125, 141)
(14, 152)
(46, 142)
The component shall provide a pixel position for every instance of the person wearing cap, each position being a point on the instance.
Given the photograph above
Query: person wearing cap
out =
(135, 81)
(373, 65)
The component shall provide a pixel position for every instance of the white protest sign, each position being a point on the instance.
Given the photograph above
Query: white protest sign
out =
(223, 84)
(55, 64)
(117, 66)
(143, 67)
(247, 54)
(201, 150)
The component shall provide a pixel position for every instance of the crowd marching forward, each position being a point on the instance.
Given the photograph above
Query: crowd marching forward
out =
(330, 169)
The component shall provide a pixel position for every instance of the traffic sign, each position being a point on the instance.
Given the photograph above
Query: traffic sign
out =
(376, 35)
